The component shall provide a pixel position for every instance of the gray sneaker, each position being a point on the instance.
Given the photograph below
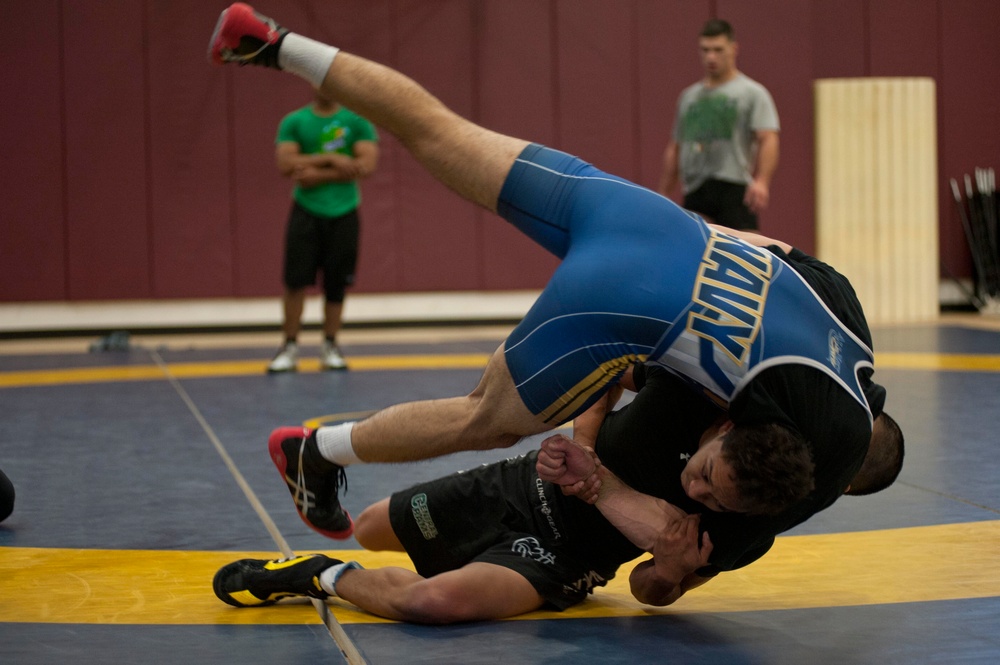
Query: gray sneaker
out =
(331, 358)
(286, 360)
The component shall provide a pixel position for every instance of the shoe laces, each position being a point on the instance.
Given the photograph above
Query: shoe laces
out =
(305, 498)
(242, 59)
(270, 58)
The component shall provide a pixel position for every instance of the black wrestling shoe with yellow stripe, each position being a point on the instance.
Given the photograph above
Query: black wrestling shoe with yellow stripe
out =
(259, 582)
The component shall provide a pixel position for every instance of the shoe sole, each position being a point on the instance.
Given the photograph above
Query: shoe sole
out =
(281, 462)
(225, 595)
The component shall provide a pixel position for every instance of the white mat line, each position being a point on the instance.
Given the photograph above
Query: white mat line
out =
(347, 647)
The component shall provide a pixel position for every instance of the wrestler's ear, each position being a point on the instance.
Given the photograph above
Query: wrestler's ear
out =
(726, 426)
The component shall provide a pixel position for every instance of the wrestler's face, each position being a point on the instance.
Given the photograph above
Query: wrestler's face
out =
(708, 478)
(718, 56)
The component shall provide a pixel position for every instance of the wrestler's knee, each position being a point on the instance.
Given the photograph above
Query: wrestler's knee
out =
(483, 429)
(373, 529)
(494, 416)
(498, 418)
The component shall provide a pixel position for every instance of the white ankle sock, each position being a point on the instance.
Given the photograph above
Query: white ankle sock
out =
(306, 57)
(328, 578)
(335, 444)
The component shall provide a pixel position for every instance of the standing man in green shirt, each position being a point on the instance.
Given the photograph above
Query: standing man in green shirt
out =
(325, 149)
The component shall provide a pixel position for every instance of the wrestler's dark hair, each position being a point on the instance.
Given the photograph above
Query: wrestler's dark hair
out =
(773, 467)
(884, 460)
(716, 27)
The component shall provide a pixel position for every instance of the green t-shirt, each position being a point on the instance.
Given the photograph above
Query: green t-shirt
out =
(317, 134)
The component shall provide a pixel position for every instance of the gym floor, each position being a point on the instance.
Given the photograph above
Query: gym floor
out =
(140, 472)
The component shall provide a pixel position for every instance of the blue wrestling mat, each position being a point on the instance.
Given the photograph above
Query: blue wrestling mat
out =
(140, 472)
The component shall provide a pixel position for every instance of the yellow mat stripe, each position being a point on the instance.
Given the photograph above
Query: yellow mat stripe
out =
(944, 562)
(938, 361)
(234, 368)
(912, 361)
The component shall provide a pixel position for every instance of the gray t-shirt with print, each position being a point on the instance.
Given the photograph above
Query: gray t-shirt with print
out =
(715, 129)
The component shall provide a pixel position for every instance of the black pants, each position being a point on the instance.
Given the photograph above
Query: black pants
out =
(723, 202)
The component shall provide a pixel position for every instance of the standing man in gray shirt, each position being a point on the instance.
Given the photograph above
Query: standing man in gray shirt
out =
(724, 147)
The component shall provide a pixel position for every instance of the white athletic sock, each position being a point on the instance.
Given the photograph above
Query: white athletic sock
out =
(306, 57)
(328, 578)
(334, 444)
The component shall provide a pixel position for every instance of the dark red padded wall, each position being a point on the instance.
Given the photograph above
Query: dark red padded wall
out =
(515, 96)
(437, 231)
(107, 213)
(133, 169)
(776, 50)
(903, 38)
(369, 29)
(595, 75)
(839, 38)
(32, 214)
(666, 59)
(969, 106)
(192, 221)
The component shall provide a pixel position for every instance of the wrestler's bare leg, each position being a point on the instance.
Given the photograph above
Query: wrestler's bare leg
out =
(469, 159)
(474, 162)
(492, 416)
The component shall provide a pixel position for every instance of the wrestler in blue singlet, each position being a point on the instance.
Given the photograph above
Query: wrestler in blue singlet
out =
(642, 280)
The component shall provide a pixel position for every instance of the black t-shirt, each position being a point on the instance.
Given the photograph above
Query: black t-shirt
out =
(644, 442)
(647, 444)
(811, 403)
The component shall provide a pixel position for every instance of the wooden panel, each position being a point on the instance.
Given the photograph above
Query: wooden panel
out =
(876, 192)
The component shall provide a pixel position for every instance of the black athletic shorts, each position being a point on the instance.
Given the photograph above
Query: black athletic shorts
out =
(314, 243)
(502, 514)
(723, 202)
